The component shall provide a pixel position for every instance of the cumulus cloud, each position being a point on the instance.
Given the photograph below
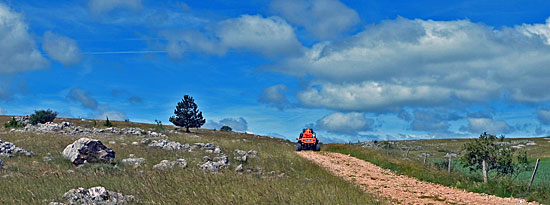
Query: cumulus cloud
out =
(239, 124)
(83, 97)
(324, 19)
(406, 62)
(543, 115)
(271, 36)
(98, 7)
(62, 49)
(371, 96)
(18, 50)
(345, 123)
(274, 96)
(433, 121)
(480, 125)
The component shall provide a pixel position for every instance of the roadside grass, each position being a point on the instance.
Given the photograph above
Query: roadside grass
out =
(30, 180)
(499, 186)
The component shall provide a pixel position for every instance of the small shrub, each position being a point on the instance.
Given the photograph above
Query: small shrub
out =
(159, 125)
(13, 123)
(226, 128)
(107, 123)
(42, 116)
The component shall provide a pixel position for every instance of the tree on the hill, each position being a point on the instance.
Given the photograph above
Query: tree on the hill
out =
(108, 123)
(226, 128)
(42, 116)
(496, 156)
(187, 114)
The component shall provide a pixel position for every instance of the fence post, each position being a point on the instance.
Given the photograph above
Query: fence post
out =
(484, 172)
(450, 160)
(533, 176)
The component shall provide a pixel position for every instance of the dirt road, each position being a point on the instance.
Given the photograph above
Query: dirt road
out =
(399, 189)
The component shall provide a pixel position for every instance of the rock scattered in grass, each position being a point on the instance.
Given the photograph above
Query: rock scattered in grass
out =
(241, 158)
(170, 165)
(112, 142)
(168, 145)
(70, 171)
(218, 150)
(136, 162)
(95, 195)
(239, 168)
(206, 159)
(216, 164)
(47, 158)
(86, 150)
(1, 163)
(8, 149)
(239, 152)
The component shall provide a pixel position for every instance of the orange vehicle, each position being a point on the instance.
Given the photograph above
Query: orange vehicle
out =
(308, 141)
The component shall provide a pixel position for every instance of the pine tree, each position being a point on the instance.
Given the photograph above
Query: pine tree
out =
(187, 114)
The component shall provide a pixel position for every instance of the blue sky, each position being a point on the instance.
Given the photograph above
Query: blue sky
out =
(353, 70)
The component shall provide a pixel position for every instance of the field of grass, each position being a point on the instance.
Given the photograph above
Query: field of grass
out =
(29, 180)
(414, 166)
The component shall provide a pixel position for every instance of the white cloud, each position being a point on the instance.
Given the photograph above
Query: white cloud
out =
(543, 116)
(274, 96)
(239, 124)
(62, 49)
(83, 97)
(405, 62)
(345, 123)
(271, 36)
(2, 111)
(480, 125)
(17, 48)
(324, 19)
(98, 7)
(372, 96)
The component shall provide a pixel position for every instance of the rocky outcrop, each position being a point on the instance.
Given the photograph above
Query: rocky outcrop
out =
(86, 150)
(167, 145)
(215, 164)
(23, 119)
(95, 195)
(8, 149)
(68, 128)
(170, 165)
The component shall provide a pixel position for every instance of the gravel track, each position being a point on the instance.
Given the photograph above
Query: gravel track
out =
(398, 189)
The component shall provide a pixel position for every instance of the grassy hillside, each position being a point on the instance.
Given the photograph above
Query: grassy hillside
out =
(30, 180)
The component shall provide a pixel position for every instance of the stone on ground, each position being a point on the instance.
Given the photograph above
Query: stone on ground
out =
(86, 150)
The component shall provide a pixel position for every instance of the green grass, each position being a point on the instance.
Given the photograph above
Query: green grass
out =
(29, 180)
(504, 187)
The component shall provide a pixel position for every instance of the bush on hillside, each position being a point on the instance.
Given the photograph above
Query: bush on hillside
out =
(107, 123)
(13, 123)
(42, 116)
(497, 156)
(226, 128)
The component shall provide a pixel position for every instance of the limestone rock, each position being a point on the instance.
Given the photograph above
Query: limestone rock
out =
(86, 150)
